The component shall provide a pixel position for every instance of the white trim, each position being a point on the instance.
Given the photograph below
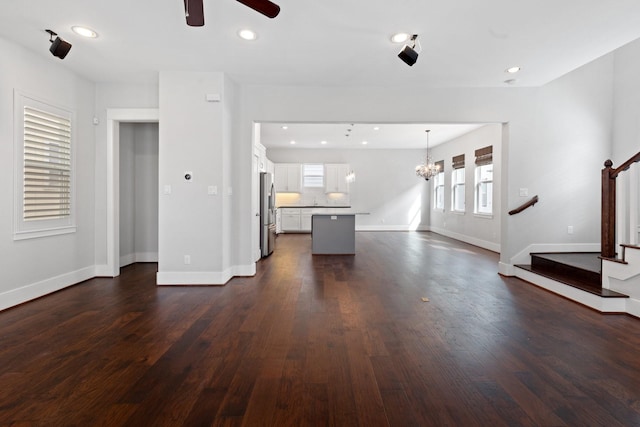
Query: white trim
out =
(25, 229)
(115, 116)
(203, 278)
(244, 270)
(603, 305)
(191, 278)
(390, 228)
(127, 260)
(485, 244)
(138, 257)
(32, 291)
(505, 269)
(102, 270)
(146, 257)
(24, 235)
(633, 307)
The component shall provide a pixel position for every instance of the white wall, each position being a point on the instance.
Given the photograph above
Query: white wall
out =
(626, 108)
(386, 186)
(558, 154)
(557, 138)
(112, 96)
(138, 192)
(480, 230)
(34, 267)
(196, 136)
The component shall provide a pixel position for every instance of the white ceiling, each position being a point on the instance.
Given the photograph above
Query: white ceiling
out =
(465, 43)
(387, 135)
(340, 43)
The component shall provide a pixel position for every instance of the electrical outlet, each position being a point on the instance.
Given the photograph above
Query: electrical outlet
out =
(570, 229)
(187, 259)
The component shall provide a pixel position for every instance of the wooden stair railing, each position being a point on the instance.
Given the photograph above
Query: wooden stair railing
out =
(528, 204)
(608, 220)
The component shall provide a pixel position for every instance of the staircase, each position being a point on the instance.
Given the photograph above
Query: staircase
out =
(600, 280)
(576, 276)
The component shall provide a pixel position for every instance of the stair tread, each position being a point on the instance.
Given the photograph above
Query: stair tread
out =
(572, 281)
(588, 261)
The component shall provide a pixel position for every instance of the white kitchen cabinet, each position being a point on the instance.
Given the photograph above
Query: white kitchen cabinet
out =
(335, 178)
(287, 177)
(290, 219)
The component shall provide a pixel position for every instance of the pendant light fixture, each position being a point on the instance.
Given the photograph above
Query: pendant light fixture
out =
(428, 169)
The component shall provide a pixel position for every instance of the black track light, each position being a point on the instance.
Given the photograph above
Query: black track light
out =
(59, 47)
(408, 53)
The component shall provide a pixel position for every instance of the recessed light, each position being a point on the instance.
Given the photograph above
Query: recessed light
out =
(285, 127)
(376, 128)
(323, 142)
(512, 70)
(400, 37)
(365, 142)
(247, 35)
(84, 32)
(292, 143)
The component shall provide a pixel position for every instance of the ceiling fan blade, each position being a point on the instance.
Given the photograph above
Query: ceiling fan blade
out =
(265, 7)
(194, 13)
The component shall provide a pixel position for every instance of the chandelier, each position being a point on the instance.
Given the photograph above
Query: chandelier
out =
(428, 169)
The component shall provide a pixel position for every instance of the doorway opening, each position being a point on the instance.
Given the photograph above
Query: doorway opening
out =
(115, 117)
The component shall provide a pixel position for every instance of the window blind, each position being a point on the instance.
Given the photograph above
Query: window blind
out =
(313, 175)
(484, 156)
(458, 161)
(47, 165)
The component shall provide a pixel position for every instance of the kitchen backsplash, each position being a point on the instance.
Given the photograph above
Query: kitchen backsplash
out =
(312, 197)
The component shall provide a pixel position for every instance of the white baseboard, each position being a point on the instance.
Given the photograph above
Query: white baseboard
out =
(244, 270)
(188, 278)
(138, 257)
(485, 244)
(35, 290)
(127, 259)
(633, 307)
(146, 257)
(505, 269)
(391, 228)
(103, 270)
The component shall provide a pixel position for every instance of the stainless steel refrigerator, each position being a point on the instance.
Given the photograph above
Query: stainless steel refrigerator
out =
(267, 214)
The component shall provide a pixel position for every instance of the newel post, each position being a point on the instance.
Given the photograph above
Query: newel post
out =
(608, 226)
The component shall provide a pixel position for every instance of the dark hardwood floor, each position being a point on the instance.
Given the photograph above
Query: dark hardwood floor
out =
(321, 341)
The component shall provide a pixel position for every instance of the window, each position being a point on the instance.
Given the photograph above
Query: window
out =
(44, 169)
(457, 184)
(484, 181)
(438, 187)
(313, 175)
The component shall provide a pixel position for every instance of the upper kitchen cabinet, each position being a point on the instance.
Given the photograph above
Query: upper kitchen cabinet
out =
(287, 177)
(336, 178)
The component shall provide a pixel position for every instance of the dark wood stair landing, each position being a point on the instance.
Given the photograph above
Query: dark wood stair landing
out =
(581, 270)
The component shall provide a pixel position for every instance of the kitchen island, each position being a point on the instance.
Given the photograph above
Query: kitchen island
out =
(333, 234)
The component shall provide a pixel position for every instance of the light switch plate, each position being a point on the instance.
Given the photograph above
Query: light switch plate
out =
(524, 192)
(167, 189)
(212, 190)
